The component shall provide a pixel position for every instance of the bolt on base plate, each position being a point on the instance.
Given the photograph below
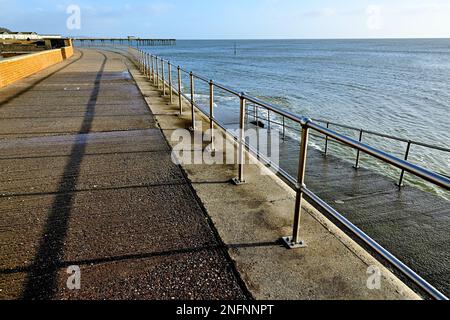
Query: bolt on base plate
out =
(291, 245)
(237, 182)
(212, 151)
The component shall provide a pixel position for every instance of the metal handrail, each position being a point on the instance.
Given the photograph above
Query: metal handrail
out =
(391, 137)
(283, 113)
(301, 189)
(294, 117)
(285, 126)
(423, 284)
(423, 173)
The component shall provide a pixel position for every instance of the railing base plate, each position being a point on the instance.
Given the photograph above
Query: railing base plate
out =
(291, 245)
(237, 182)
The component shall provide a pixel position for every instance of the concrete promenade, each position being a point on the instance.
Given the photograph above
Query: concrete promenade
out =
(86, 179)
(250, 218)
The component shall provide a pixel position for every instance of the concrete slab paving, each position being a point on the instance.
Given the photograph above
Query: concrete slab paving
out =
(95, 143)
(18, 177)
(56, 125)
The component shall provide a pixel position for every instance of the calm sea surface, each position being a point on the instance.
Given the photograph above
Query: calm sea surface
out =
(396, 87)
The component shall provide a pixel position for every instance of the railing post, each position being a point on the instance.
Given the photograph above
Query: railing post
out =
(157, 72)
(180, 93)
(358, 153)
(147, 63)
(149, 70)
(211, 113)
(241, 157)
(139, 60)
(191, 77)
(284, 128)
(170, 82)
(402, 175)
(152, 70)
(144, 58)
(143, 63)
(163, 77)
(294, 241)
(326, 141)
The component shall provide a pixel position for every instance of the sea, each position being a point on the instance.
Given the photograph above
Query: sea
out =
(396, 87)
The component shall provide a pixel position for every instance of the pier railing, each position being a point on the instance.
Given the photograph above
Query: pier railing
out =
(156, 68)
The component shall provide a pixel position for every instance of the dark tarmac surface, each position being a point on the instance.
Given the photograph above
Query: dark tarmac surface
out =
(86, 179)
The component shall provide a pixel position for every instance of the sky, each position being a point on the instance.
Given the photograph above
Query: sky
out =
(231, 19)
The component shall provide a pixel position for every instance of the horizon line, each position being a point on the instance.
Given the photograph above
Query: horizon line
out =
(265, 39)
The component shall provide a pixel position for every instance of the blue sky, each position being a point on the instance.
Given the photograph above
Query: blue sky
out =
(234, 19)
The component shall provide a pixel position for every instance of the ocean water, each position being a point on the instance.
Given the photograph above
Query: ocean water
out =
(395, 87)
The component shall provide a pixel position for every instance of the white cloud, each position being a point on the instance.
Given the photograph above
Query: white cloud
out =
(374, 19)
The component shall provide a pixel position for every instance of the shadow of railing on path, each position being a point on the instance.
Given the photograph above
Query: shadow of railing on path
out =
(41, 280)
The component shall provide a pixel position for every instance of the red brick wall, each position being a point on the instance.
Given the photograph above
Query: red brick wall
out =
(17, 68)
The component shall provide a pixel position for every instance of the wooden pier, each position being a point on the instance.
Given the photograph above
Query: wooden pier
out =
(92, 42)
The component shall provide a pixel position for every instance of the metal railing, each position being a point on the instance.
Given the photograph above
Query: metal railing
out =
(149, 66)
(361, 133)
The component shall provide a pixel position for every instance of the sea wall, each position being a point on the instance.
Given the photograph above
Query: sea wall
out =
(14, 69)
